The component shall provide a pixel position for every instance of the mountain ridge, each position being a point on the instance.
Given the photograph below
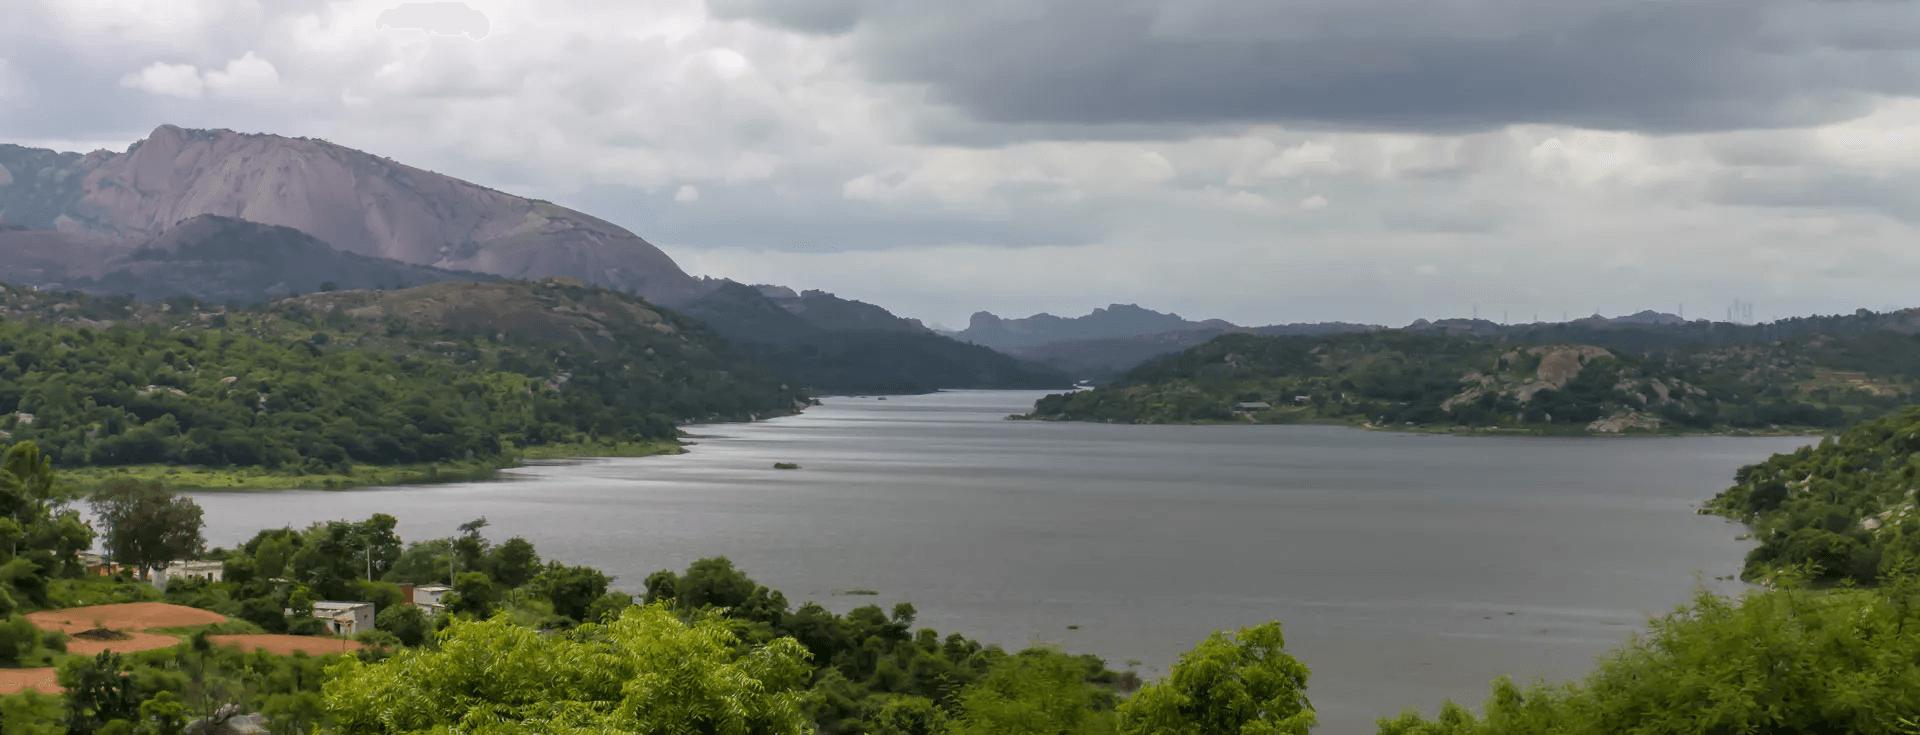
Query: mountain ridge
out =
(355, 201)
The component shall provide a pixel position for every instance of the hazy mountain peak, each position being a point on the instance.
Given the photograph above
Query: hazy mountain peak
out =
(1115, 320)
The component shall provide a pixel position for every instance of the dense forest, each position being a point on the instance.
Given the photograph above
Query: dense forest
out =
(532, 645)
(437, 373)
(1432, 379)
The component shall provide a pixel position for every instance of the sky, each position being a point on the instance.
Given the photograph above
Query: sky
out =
(1259, 161)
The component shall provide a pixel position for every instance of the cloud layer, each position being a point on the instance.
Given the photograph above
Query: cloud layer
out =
(1251, 160)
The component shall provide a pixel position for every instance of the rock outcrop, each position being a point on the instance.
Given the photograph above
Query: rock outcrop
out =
(354, 201)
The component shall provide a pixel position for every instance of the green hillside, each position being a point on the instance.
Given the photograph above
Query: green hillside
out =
(1845, 507)
(1437, 381)
(318, 383)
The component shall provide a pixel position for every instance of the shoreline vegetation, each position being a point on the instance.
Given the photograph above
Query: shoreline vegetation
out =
(1446, 430)
(256, 479)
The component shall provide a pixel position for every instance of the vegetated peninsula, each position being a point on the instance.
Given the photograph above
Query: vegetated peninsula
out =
(1432, 380)
(332, 388)
(1845, 508)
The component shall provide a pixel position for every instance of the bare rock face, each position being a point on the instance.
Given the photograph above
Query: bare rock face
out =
(1557, 366)
(1619, 423)
(363, 204)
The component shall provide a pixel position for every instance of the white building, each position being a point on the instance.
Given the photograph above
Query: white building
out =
(345, 618)
(207, 570)
(428, 597)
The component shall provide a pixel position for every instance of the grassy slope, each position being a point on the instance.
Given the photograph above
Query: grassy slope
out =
(547, 331)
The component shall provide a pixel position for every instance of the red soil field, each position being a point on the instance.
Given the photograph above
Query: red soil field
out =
(130, 616)
(15, 681)
(285, 645)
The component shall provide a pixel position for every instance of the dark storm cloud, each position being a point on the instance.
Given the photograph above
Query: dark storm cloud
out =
(828, 17)
(1443, 67)
(1896, 196)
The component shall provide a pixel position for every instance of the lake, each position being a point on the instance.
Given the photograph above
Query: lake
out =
(1405, 568)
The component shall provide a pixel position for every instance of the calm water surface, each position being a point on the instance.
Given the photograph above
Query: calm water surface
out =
(1392, 560)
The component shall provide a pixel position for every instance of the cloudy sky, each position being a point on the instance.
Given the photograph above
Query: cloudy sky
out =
(1261, 161)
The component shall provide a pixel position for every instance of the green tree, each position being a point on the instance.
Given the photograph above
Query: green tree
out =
(1040, 691)
(99, 690)
(163, 714)
(1226, 686)
(513, 563)
(405, 622)
(31, 713)
(147, 526)
(473, 594)
(571, 589)
(646, 672)
(896, 714)
(18, 638)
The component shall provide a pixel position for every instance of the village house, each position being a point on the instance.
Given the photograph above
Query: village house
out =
(207, 570)
(345, 618)
(97, 565)
(428, 597)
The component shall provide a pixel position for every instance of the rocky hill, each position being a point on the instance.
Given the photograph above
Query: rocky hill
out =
(357, 202)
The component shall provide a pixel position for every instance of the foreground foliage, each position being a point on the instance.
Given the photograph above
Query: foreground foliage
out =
(1791, 660)
(643, 672)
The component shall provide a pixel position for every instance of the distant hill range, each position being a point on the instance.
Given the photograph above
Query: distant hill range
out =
(1591, 376)
(1107, 342)
(217, 215)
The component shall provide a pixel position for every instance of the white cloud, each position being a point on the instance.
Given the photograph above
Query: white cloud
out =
(247, 76)
(1313, 203)
(687, 193)
(12, 84)
(173, 80)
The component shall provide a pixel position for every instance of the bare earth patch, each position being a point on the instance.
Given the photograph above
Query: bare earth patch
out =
(285, 645)
(126, 619)
(15, 681)
(132, 642)
(124, 616)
